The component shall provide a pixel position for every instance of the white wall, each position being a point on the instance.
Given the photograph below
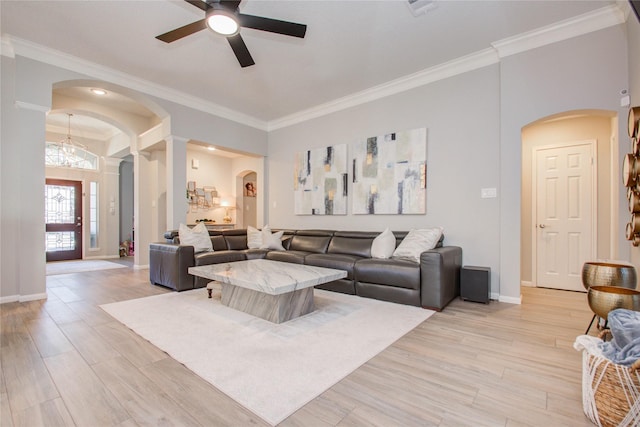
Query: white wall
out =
(583, 72)
(213, 171)
(462, 118)
(474, 126)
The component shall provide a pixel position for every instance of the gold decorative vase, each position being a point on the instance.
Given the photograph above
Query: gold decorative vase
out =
(603, 299)
(609, 274)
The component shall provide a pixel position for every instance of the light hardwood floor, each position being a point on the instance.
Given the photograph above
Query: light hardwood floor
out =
(66, 362)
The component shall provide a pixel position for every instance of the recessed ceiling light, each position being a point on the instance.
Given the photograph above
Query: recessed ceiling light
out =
(97, 91)
(211, 148)
(222, 21)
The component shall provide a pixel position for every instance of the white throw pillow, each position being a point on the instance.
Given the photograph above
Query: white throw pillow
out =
(272, 241)
(383, 245)
(254, 238)
(416, 242)
(198, 237)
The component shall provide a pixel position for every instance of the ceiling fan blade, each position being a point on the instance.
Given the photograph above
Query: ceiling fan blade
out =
(241, 51)
(181, 32)
(272, 25)
(199, 4)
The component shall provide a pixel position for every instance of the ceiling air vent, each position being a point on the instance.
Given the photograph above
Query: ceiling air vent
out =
(420, 7)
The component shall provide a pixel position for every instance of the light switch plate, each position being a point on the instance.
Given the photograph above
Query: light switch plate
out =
(488, 193)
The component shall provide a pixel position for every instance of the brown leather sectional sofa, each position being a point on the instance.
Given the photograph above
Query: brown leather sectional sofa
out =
(431, 283)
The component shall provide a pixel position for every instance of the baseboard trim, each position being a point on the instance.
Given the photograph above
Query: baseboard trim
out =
(494, 296)
(511, 300)
(23, 298)
(102, 257)
(10, 298)
(526, 283)
(33, 297)
(140, 267)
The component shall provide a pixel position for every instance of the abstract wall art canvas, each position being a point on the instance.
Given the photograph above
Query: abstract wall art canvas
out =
(320, 181)
(390, 173)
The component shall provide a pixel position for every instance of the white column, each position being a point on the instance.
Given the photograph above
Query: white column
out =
(110, 211)
(176, 177)
(143, 193)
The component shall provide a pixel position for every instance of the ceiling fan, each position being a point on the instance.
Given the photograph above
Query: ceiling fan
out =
(223, 17)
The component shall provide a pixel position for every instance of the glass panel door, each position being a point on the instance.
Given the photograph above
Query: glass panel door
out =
(63, 218)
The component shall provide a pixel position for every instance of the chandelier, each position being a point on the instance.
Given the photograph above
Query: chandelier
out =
(67, 152)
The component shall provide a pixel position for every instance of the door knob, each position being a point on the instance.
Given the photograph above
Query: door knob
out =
(542, 226)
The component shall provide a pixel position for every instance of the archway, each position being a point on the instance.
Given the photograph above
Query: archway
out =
(247, 189)
(133, 114)
(596, 128)
(96, 221)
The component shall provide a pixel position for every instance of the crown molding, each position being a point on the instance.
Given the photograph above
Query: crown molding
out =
(32, 107)
(593, 21)
(6, 49)
(589, 22)
(63, 60)
(442, 71)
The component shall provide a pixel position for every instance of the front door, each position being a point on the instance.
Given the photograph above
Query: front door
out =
(564, 214)
(63, 218)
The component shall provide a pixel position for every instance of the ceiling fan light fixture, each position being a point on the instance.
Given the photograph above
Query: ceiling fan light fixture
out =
(222, 21)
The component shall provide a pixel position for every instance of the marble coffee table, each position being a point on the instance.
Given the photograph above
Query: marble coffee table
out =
(272, 290)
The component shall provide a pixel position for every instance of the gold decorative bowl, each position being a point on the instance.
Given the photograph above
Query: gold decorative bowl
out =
(609, 274)
(603, 299)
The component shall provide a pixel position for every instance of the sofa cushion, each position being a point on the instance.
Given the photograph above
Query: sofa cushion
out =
(388, 293)
(255, 253)
(337, 261)
(383, 245)
(198, 237)
(392, 272)
(310, 243)
(344, 286)
(218, 257)
(352, 243)
(295, 257)
(236, 239)
(218, 242)
(416, 242)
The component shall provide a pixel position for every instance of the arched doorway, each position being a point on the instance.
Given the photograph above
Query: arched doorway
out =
(569, 158)
(135, 121)
(247, 189)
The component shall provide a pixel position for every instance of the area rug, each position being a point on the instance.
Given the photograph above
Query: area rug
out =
(270, 369)
(66, 267)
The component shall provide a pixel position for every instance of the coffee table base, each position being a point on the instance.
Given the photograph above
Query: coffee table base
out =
(274, 308)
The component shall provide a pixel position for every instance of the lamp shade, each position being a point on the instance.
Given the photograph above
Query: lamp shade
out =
(227, 202)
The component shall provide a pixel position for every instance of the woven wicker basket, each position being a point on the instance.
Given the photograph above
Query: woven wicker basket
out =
(610, 392)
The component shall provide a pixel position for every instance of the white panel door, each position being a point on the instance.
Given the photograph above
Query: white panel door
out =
(564, 215)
